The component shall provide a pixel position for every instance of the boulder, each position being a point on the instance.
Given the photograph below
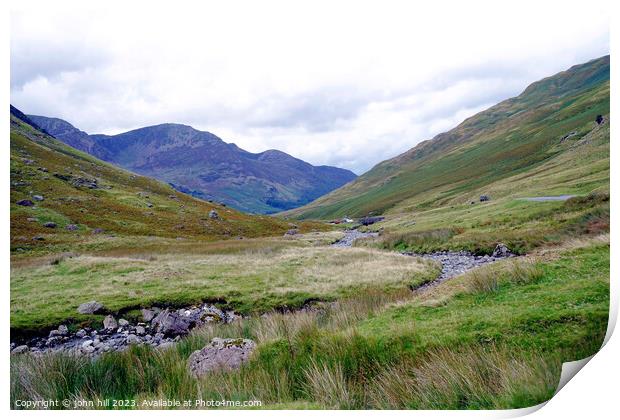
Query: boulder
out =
(72, 227)
(485, 197)
(38, 197)
(91, 307)
(50, 225)
(221, 354)
(20, 349)
(213, 215)
(147, 315)
(109, 323)
(133, 339)
(501, 250)
(26, 203)
(291, 232)
(123, 322)
(170, 323)
(140, 330)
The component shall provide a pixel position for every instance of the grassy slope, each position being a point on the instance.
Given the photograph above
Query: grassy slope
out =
(490, 339)
(515, 139)
(120, 206)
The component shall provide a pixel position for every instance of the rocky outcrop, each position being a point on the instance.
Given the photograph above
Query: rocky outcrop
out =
(501, 251)
(221, 354)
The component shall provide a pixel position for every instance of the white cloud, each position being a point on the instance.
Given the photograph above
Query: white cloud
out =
(340, 83)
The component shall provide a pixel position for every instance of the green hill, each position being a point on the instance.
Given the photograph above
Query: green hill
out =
(547, 134)
(69, 200)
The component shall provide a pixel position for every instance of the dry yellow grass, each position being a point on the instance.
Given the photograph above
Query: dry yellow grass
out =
(254, 281)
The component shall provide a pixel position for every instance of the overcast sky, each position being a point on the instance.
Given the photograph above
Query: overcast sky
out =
(333, 84)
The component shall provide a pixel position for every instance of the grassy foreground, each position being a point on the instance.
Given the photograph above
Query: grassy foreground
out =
(253, 280)
(492, 338)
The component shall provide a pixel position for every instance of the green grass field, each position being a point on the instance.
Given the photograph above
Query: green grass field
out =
(494, 338)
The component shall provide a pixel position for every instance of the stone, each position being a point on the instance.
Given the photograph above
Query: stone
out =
(109, 323)
(133, 339)
(87, 343)
(123, 322)
(221, 354)
(37, 197)
(20, 349)
(38, 238)
(599, 119)
(50, 225)
(80, 333)
(291, 232)
(147, 315)
(72, 227)
(485, 197)
(26, 203)
(91, 307)
(140, 330)
(501, 251)
(170, 323)
(213, 215)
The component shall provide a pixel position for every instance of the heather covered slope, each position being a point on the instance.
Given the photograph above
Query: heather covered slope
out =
(87, 203)
(516, 139)
(201, 164)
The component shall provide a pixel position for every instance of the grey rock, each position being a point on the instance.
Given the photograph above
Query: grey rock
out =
(26, 203)
(140, 330)
(123, 322)
(87, 343)
(20, 349)
(133, 339)
(148, 315)
(72, 227)
(291, 232)
(91, 307)
(485, 197)
(213, 215)
(221, 354)
(80, 333)
(50, 225)
(502, 251)
(170, 323)
(37, 197)
(109, 323)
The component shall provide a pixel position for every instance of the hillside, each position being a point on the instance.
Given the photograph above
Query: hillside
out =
(201, 164)
(62, 198)
(535, 134)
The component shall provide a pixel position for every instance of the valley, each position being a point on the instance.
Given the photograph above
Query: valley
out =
(458, 275)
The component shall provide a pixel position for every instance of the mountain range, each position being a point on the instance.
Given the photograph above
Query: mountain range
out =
(203, 165)
(552, 138)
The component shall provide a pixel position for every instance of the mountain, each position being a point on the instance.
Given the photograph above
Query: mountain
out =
(201, 164)
(60, 196)
(532, 135)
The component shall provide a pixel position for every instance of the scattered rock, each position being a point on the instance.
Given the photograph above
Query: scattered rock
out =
(81, 333)
(91, 307)
(20, 349)
(366, 221)
(97, 231)
(140, 330)
(291, 232)
(123, 322)
(37, 197)
(501, 251)
(38, 238)
(147, 315)
(26, 203)
(50, 225)
(213, 215)
(170, 323)
(133, 339)
(72, 227)
(221, 354)
(485, 197)
(109, 323)
(599, 119)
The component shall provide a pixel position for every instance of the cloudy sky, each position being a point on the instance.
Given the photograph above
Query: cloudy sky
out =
(343, 84)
